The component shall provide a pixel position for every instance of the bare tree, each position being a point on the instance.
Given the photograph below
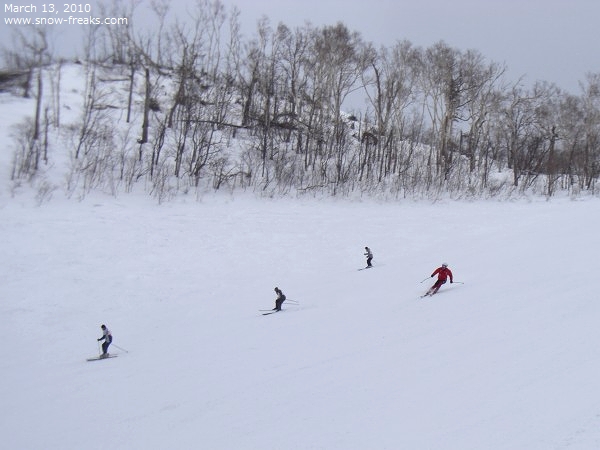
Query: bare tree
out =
(591, 148)
(390, 86)
(36, 53)
(340, 59)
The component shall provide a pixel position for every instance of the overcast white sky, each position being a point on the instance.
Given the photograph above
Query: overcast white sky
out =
(552, 40)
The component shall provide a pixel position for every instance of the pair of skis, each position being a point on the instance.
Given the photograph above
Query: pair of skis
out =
(99, 358)
(431, 294)
(267, 312)
(108, 355)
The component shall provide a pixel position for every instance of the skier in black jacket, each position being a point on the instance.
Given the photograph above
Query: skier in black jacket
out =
(279, 300)
(369, 256)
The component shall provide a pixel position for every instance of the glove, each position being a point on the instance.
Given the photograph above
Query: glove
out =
(98, 339)
(431, 276)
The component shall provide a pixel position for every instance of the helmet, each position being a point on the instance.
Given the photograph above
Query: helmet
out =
(444, 264)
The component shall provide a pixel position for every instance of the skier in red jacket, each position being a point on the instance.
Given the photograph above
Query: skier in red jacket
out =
(443, 274)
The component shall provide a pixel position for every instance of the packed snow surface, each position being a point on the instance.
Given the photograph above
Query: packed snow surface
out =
(508, 360)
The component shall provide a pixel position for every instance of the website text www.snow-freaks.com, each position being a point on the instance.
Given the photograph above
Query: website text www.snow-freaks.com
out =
(57, 14)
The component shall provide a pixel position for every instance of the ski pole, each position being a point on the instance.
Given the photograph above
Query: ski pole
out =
(99, 350)
(457, 282)
(120, 348)
(425, 279)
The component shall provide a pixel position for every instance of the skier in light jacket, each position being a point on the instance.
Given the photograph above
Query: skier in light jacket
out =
(107, 338)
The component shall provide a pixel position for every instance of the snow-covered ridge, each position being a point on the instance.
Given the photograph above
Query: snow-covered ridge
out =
(91, 137)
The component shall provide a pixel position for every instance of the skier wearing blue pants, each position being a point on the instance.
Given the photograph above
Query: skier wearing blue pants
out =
(107, 338)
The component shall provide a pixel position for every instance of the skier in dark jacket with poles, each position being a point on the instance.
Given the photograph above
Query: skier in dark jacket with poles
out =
(107, 338)
(369, 256)
(279, 300)
(443, 274)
